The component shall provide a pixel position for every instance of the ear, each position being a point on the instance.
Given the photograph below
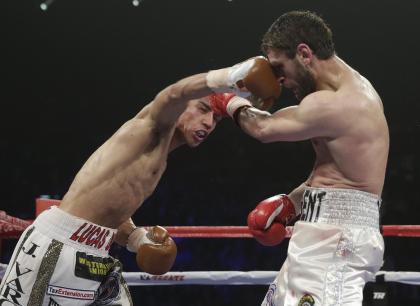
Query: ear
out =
(305, 53)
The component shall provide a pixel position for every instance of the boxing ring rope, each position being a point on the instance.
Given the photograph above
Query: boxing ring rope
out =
(243, 232)
(12, 227)
(230, 277)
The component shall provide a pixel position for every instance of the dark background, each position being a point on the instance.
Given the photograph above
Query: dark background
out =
(73, 74)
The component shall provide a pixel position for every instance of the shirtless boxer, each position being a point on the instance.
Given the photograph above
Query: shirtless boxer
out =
(336, 245)
(62, 259)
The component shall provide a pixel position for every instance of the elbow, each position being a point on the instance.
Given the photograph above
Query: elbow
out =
(264, 138)
(175, 92)
(261, 134)
(178, 91)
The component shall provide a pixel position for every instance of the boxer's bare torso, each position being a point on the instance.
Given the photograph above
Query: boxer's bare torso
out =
(357, 156)
(343, 118)
(124, 171)
(121, 174)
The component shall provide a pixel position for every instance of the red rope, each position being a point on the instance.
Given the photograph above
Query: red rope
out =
(243, 232)
(12, 227)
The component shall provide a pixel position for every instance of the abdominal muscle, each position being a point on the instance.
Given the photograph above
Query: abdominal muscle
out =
(328, 175)
(111, 201)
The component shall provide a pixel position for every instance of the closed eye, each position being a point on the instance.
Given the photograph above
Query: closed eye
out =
(278, 71)
(203, 107)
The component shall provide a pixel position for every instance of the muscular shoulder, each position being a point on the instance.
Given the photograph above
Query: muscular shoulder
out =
(329, 111)
(142, 125)
(146, 117)
(320, 105)
(322, 100)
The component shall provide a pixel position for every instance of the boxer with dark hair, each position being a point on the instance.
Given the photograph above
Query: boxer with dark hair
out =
(336, 246)
(62, 258)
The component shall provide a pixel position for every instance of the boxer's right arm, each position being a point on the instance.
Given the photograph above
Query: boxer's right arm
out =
(253, 76)
(315, 116)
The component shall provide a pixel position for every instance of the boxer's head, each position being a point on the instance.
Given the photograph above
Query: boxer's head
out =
(292, 43)
(197, 122)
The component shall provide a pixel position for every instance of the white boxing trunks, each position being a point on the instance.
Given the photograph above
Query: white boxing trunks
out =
(335, 248)
(63, 260)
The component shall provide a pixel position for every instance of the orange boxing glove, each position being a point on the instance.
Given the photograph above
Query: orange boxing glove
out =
(156, 250)
(253, 76)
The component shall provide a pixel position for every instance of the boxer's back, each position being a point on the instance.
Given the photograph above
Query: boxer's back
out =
(120, 174)
(357, 157)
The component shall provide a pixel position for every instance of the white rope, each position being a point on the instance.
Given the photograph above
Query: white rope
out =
(201, 278)
(238, 278)
(411, 278)
(230, 277)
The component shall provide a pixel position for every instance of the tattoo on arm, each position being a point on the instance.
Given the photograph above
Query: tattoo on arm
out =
(250, 117)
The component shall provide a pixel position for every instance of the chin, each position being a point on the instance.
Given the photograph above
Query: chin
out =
(190, 142)
(193, 144)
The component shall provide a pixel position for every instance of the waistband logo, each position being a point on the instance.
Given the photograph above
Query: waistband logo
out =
(93, 235)
(311, 205)
(71, 293)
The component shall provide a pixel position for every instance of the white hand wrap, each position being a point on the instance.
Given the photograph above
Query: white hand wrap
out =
(217, 80)
(224, 80)
(235, 103)
(137, 238)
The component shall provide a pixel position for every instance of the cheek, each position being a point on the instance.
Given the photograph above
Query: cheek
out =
(189, 121)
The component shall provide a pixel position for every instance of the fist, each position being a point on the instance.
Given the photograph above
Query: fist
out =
(270, 236)
(260, 80)
(156, 251)
(254, 76)
(267, 221)
(224, 104)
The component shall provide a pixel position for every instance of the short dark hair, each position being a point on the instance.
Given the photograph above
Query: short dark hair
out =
(296, 27)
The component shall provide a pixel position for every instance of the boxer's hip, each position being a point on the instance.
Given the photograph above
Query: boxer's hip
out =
(64, 260)
(331, 263)
(335, 248)
(344, 207)
(338, 227)
(78, 233)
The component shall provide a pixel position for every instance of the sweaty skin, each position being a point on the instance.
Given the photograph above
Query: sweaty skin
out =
(343, 118)
(124, 171)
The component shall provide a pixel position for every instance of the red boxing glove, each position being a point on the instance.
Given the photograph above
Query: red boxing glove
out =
(267, 221)
(272, 236)
(224, 104)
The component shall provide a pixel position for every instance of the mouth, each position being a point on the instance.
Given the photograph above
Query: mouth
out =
(200, 135)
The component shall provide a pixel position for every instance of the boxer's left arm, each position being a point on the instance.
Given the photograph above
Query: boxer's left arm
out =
(315, 116)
